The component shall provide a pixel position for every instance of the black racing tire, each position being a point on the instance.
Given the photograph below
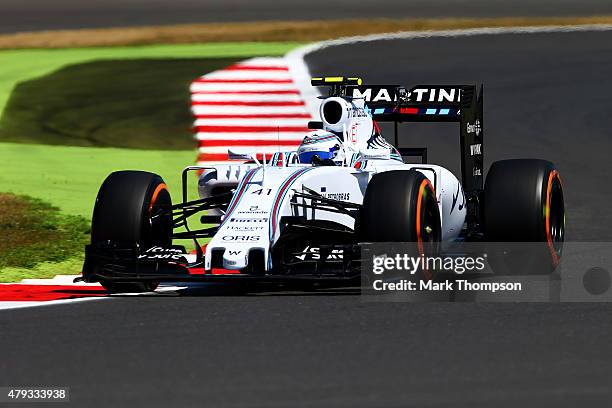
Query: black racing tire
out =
(122, 214)
(524, 211)
(400, 206)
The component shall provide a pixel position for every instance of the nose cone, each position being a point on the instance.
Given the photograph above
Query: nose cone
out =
(234, 259)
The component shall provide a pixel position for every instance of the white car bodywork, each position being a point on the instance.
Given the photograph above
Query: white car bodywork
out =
(264, 190)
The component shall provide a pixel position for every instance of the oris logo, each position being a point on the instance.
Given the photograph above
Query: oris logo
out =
(241, 238)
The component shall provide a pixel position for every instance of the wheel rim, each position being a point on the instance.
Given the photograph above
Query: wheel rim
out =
(160, 224)
(427, 224)
(555, 216)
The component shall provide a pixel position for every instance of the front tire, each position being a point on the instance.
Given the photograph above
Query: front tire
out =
(401, 206)
(123, 214)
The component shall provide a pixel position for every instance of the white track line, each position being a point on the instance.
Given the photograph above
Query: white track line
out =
(8, 305)
(261, 61)
(301, 74)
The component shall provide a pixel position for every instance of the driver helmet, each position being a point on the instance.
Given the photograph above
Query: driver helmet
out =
(319, 146)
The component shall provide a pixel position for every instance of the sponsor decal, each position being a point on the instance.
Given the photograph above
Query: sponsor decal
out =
(158, 253)
(356, 112)
(375, 94)
(314, 254)
(476, 171)
(390, 94)
(475, 149)
(234, 252)
(337, 196)
(249, 220)
(244, 227)
(253, 210)
(241, 238)
(474, 127)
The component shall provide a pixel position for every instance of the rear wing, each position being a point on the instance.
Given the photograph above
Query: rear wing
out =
(462, 104)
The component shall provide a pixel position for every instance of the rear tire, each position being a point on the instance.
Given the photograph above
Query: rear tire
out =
(523, 203)
(123, 212)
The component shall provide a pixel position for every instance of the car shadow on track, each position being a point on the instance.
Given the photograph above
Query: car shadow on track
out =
(225, 290)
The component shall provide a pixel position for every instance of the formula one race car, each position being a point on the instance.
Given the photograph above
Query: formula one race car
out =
(300, 216)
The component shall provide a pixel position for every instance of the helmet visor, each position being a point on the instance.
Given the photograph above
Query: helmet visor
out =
(306, 157)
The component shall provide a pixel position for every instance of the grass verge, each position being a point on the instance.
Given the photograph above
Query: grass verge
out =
(26, 64)
(267, 31)
(69, 177)
(43, 270)
(141, 103)
(34, 231)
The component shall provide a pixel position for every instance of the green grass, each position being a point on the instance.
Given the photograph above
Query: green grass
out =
(69, 177)
(43, 270)
(21, 65)
(34, 231)
(141, 103)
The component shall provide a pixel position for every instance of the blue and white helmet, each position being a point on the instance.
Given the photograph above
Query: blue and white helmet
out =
(325, 145)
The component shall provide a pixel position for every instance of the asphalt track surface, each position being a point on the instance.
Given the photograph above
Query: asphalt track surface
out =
(547, 95)
(36, 15)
